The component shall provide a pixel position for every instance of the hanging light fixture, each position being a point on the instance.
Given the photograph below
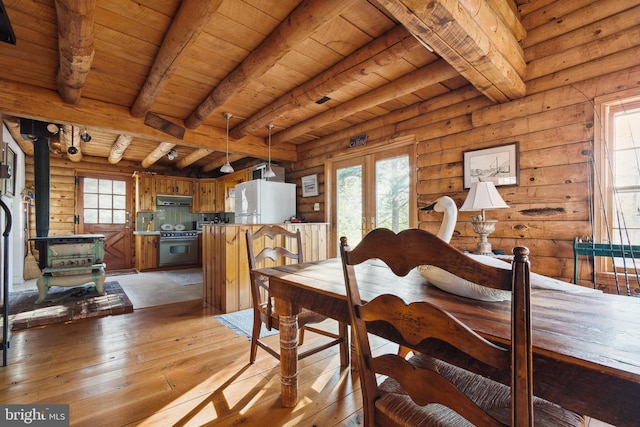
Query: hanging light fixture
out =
(226, 168)
(269, 173)
(71, 150)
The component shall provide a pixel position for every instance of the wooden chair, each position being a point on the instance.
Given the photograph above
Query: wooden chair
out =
(263, 310)
(424, 390)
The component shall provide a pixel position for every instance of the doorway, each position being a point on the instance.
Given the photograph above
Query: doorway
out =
(103, 206)
(372, 191)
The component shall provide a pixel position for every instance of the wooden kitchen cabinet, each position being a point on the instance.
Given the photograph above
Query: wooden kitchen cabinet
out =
(145, 193)
(147, 252)
(174, 186)
(209, 196)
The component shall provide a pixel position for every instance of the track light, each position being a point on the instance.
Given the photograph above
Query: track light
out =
(172, 154)
(227, 168)
(269, 172)
(84, 136)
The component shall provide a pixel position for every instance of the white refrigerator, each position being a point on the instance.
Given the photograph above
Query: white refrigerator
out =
(264, 202)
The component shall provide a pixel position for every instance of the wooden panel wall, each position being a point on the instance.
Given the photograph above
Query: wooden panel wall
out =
(575, 52)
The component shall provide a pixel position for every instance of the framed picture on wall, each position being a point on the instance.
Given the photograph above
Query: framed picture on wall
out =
(498, 164)
(310, 185)
(9, 159)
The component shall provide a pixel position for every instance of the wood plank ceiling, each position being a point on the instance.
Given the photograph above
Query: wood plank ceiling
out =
(112, 66)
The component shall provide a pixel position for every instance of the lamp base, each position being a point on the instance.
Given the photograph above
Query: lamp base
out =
(483, 227)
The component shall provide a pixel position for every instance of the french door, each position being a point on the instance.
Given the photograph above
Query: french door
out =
(373, 191)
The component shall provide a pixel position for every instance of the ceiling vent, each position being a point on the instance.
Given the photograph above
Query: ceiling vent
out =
(323, 100)
(6, 32)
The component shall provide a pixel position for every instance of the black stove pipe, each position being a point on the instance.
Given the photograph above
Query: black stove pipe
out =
(42, 184)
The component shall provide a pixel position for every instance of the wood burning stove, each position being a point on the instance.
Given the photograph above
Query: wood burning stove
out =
(70, 261)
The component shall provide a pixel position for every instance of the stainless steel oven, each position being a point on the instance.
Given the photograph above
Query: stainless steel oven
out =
(178, 248)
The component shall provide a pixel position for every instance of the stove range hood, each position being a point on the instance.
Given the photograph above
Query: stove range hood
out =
(168, 200)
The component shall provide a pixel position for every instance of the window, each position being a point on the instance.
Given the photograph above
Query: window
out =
(617, 176)
(104, 201)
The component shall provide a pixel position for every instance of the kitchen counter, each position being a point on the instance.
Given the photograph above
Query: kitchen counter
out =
(225, 268)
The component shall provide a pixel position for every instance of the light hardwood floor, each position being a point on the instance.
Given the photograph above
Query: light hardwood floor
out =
(173, 365)
(170, 365)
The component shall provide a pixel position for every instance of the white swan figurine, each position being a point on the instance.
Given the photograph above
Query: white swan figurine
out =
(456, 285)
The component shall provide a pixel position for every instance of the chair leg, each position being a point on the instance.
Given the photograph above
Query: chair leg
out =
(301, 336)
(255, 336)
(343, 332)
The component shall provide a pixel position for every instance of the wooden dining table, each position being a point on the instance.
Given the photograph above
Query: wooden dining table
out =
(586, 346)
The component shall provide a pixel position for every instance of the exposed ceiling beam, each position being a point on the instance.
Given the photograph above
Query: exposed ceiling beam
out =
(13, 125)
(426, 76)
(118, 148)
(471, 37)
(75, 46)
(70, 136)
(192, 157)
(161, 150)
(389, 47)
(307, 18)
(189, 22)
(20, 100)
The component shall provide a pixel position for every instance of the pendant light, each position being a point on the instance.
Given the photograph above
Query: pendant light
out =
(226, 168)
(269, 173)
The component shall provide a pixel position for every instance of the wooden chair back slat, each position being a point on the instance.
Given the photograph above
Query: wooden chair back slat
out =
(419, 324)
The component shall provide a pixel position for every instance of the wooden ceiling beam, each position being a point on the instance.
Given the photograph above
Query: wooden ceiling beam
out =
(13, 125)
(193, 157)
(389, 47)
(22, 100)
(118, 148)
(471, 37)
(305, 19)
(189, 22)
(75, 46)
(161, 150)
(426, 76)
(70, 136)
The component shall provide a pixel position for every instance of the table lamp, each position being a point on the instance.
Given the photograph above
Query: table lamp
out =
(483, 195)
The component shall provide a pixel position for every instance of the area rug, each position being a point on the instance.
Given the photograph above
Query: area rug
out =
(191, 276)
(241, 322)
(66, 304)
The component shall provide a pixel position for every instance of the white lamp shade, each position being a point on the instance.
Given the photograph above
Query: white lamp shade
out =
(483, 195)
(226, 168)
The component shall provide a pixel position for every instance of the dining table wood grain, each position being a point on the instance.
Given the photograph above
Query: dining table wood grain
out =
(586, 346)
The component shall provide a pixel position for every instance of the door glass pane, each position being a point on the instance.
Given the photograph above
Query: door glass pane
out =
(105, 201)
(119, 187)
(91, 216)
(392, 193)
(90, 185)
(119, 202)
(105, 186)
(91, 201)
(349, 209)
(119, 216)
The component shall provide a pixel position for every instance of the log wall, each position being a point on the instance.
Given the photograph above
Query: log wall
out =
(575, 52)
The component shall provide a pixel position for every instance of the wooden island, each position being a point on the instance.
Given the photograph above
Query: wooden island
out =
(225, 266)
